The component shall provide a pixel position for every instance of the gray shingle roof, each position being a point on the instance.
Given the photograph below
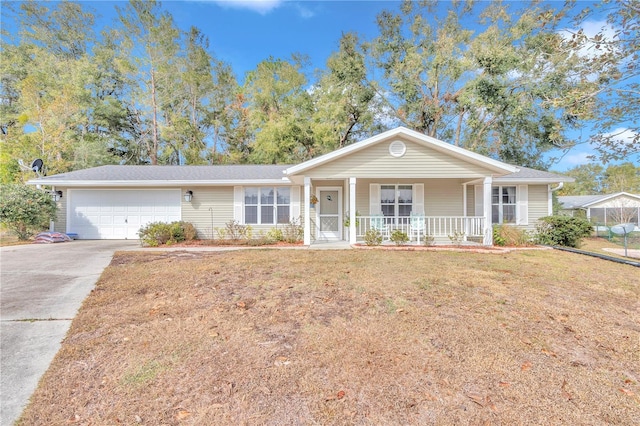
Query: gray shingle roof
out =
(526, 173)
(576, 201)
(170, 173)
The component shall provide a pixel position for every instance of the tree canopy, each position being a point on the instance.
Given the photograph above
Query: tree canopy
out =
(505, 80)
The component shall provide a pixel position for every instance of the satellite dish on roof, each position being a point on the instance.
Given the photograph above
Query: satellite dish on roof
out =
(36, 165)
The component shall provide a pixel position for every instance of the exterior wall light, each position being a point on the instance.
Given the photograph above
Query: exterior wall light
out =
(56, 195)
(188, 196)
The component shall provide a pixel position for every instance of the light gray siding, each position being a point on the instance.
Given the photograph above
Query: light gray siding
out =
(538, 204)
(418, 162)
(210, 208)
(60, 224)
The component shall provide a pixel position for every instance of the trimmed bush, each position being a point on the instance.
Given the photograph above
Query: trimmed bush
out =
(562, 231)
(373, 237)
(25, 210)
(399, 237)
(158, 233)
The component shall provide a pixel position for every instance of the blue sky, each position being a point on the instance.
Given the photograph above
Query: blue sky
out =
(246, 32)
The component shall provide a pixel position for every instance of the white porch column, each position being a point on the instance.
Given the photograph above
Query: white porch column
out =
(352, 210)
(486, 207)
(307, 212)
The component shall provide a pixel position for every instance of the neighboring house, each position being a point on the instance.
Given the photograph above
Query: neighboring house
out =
(384, 179)
(603, 210)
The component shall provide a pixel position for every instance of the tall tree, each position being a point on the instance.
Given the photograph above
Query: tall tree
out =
(346, 106)
(151, 42)
(280, 111)
(491, 90)
(615, 93)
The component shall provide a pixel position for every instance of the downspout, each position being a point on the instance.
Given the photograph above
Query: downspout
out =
(550, 198)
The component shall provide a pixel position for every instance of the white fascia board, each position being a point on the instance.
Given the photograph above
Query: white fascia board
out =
(413, 136)
(158, 183)
(530, 181)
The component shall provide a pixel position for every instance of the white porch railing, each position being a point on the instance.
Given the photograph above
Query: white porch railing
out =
(435, 226)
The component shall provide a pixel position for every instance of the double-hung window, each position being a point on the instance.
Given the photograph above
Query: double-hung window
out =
(396, 201)
(267, 205)
(503, 204)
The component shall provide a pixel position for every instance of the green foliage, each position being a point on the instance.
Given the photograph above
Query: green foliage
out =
(373, 237)
(399, 237)
(275, 235)
(562, 230)
(159, 233)
(593, 179)
(25, 210)
(506, 235)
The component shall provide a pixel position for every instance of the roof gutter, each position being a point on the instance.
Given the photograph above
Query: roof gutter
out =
(560, 185)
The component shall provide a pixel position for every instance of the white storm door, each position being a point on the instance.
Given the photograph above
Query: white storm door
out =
(329, 213)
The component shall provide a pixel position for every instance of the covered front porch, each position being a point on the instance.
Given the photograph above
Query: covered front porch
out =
(434, 211)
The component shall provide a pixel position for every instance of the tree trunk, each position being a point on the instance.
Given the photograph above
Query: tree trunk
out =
(154, 151)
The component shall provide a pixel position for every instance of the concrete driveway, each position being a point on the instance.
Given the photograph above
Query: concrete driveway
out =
(41, 289)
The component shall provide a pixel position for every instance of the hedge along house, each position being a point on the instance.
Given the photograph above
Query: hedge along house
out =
(388, 180)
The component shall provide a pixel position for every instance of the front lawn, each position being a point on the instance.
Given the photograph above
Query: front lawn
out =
(366, 337)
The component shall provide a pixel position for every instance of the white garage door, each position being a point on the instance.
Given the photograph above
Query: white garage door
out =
(118, 214)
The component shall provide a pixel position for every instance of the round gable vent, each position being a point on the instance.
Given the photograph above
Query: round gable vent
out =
(397, 148)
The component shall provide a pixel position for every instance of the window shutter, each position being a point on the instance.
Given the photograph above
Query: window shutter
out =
(418, 198)
(374, 199)
(238, 198)
(522, 205)
(478, 196)
(295, 204)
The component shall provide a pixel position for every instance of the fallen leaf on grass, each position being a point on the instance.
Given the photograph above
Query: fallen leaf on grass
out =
(630, 393)
(182, 414)
(526, 366)
(549, 353)
(74, 419)
(241, 305)
(341, 394)
(477, 398)
(504, 384)
(565, 393)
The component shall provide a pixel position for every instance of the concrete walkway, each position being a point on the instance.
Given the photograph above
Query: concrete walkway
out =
(41, 289)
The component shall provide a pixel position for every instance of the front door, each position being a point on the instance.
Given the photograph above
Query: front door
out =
(329, 216)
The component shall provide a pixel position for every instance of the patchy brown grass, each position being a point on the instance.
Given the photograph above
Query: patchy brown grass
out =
(361, 337)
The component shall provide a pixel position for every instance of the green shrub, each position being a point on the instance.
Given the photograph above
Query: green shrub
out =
(399, 237)
(274, 235)
(373, 237)
(506, 235)
(562, 230)
(25, 210)
(158, 233)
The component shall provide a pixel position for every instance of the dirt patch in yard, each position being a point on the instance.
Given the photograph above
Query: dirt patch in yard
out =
(350, 337)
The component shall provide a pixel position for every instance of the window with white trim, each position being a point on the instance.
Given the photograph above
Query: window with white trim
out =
(396, 200)
(503, 204)
(267, 205)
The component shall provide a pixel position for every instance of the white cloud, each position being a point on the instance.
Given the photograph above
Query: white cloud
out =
(590, 29)
(622, 134)
(260, 6)
(577, 159)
